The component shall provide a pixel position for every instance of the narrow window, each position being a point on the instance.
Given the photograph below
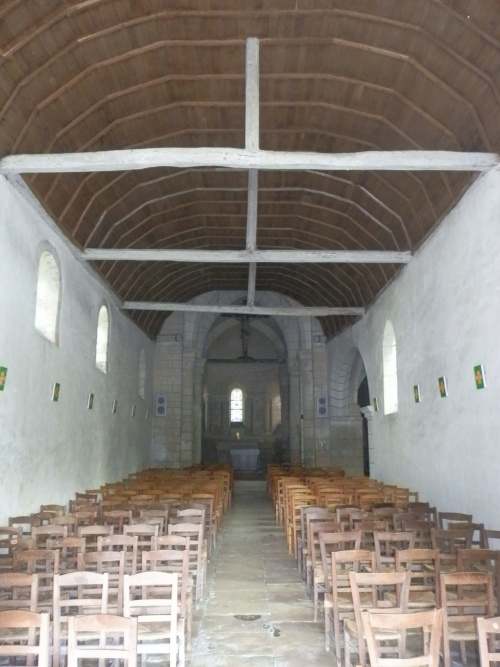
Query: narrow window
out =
(390, 370)
(142, 374)
(101, 348)
(47, 297)
(237, 406)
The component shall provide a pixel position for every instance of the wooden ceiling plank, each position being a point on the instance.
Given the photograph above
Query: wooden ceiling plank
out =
(255, 256)
(236, 158)
(298, 311)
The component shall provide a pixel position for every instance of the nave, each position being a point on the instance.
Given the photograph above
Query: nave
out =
(256, 610)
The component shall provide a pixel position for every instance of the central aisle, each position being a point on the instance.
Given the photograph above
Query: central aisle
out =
(256, 610)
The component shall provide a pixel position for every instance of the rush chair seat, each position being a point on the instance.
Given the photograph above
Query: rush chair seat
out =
(423, 564)
(448, 542)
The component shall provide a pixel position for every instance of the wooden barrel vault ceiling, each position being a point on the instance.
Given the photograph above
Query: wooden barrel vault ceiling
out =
(332, 77)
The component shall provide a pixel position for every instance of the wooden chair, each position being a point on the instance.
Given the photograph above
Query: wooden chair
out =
(34, 626)
(145, 533)
(386, 546)
(116, 518)
(421, 531)
(59, 510)
(482, 560)
(92, 532)
(153, 598)
(491, 538)
(23, 522)
(426, 624)
(175, 561)
(338, 603)
(308, 515)
(315, 572)
(128, 544)
(197, 562)
(40, 534)
(67, 520)
(448, 542)
(368, 592)
(102, 636)
(447, 519)
(112, 563)
(464, 596)
(45, 563)
(423, 564)
(18, 590)
(69, 548)
(80, 592)
(488, 631)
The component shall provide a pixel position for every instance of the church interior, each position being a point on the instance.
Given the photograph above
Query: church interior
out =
(253, 237)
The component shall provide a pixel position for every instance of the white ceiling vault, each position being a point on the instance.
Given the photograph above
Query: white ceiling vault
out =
(304, 147)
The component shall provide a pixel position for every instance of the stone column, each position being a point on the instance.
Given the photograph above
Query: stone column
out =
(187, 408)
(307, 402)
(198, 371)
(294, 412)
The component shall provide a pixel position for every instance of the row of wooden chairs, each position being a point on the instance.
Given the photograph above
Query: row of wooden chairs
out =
(151, 599)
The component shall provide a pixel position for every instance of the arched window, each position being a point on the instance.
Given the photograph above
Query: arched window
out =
(101, 348)
(390, 369)
(142, 373)
(48, 292)
(236, 406)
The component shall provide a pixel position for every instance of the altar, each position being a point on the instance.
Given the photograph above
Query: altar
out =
(245, 459)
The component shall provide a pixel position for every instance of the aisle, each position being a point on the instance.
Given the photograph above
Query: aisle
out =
(256, 610)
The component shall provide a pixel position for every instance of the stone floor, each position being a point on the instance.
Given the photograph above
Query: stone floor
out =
(255, 610)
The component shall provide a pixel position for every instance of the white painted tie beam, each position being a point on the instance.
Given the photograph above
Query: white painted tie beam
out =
(253, 256)
(244, 158)
(298, 311)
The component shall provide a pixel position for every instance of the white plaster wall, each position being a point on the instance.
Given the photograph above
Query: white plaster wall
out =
(50, 450)
(445, 308)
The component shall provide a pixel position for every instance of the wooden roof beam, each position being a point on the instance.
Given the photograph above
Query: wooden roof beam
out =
(254, 256)
(252, 143)
(297, 311)
(243, 158)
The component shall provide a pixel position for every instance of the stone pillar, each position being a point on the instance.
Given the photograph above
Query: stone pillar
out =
(284, 380)
(198, 370)
(294, 413)
(307, 402)
(320, 384)
(187, 409)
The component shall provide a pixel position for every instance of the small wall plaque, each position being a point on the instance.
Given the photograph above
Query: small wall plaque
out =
(479, 376)
(443, 387)
(375, 404)
(416, 393)
(56, 387)
(90, 402)
(132, 412)
(114, 406)
(3, 377)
